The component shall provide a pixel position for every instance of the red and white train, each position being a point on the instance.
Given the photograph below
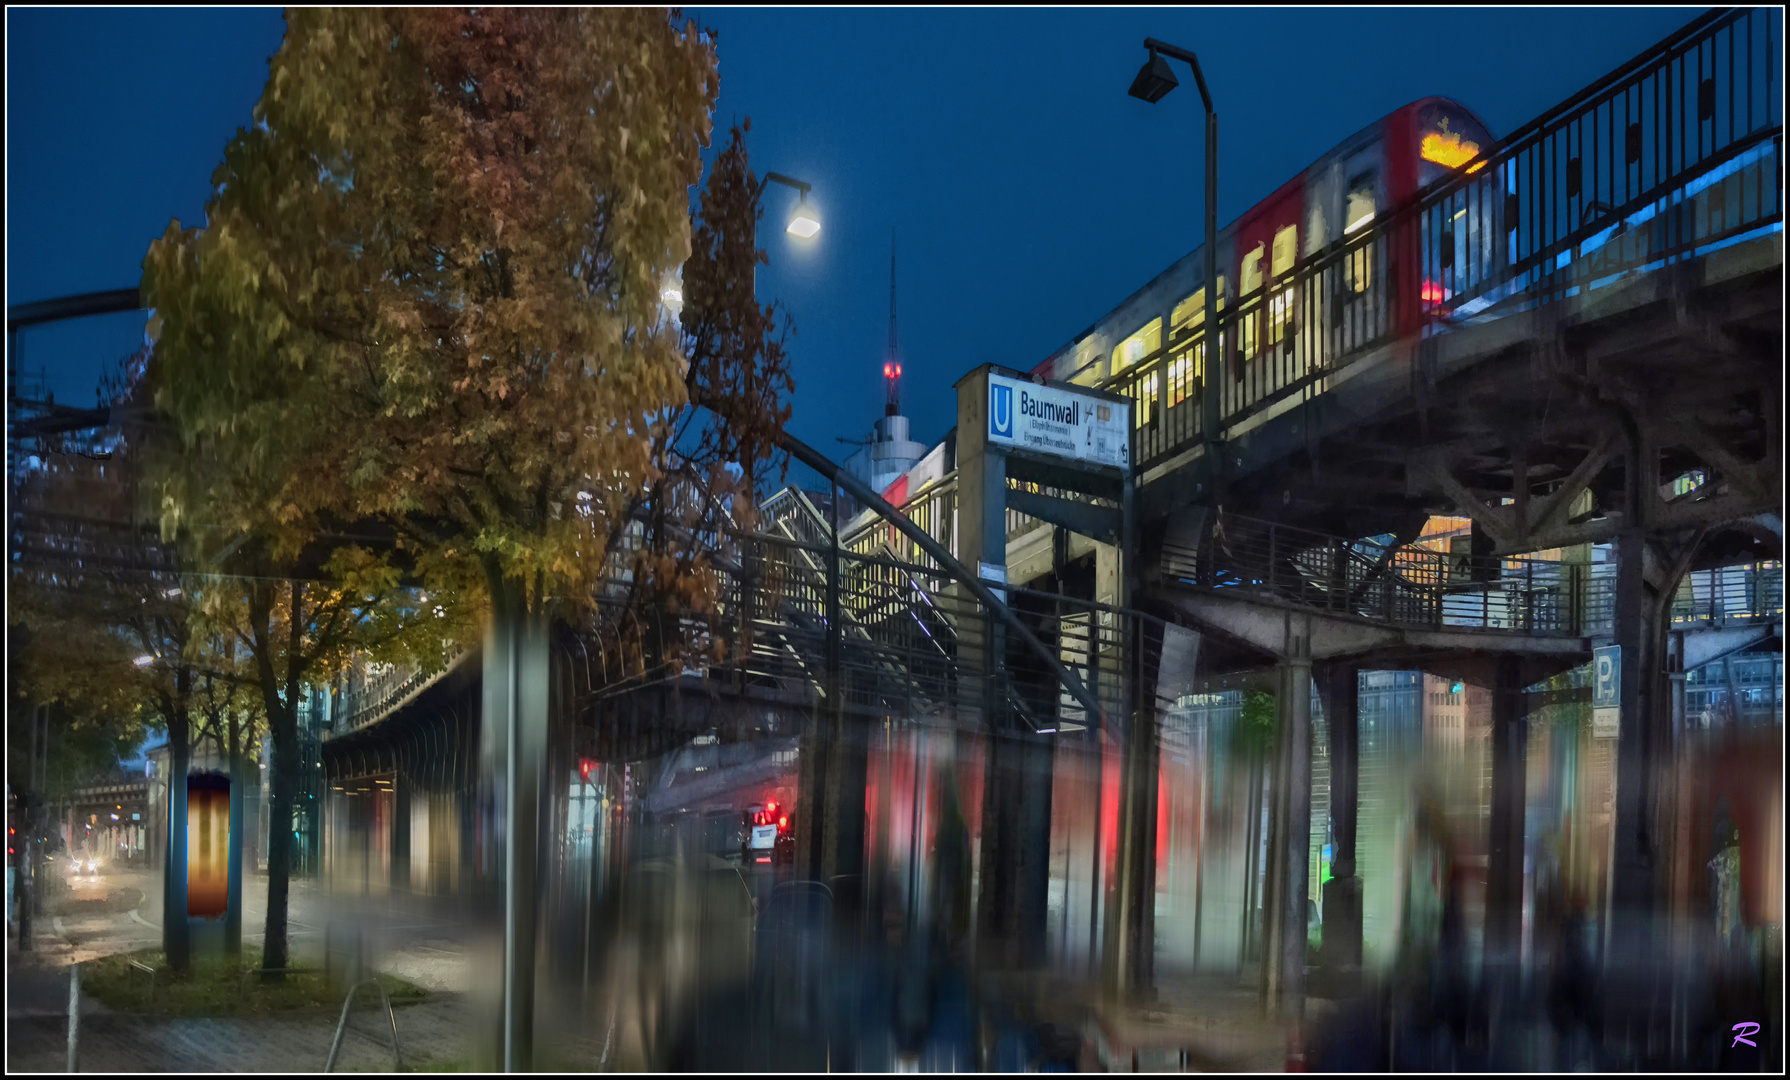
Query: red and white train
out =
(1368, 177)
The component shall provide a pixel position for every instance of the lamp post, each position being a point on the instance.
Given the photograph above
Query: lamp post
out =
(1154, 81)
(803, 222)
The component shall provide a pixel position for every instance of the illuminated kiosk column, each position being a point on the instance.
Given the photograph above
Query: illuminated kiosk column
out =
(1015, 427)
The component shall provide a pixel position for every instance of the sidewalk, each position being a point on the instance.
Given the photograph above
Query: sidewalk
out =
(425, 950)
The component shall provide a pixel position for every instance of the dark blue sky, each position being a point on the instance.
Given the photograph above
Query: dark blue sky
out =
(1030, 193)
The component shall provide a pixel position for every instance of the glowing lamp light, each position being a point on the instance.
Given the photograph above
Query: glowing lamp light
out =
(1433, 293)
(888, 371)
(803, 223)
(782, 822)
(144, 661)
(1447, 149)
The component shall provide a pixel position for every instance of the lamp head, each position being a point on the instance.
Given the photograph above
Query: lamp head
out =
(804, 222)
(1154, 80)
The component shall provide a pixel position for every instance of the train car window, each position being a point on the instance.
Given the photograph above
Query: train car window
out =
(1358, 268)
(1448, 139)
(1286, 250)
(1191, 312)
(1358, 211)
(1280, 316)
(1252, 270)
(1317, 230)
(1139, 345)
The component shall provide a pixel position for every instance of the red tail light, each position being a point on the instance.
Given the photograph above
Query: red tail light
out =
(782, 822)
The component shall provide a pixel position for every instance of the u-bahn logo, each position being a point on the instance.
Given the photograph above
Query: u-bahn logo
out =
(1000, 410)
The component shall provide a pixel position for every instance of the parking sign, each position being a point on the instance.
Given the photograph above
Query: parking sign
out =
(1606, 691)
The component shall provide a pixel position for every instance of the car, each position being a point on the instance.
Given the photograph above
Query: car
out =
(765, 834)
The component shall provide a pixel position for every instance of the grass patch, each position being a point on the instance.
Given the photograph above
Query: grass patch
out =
(220, 987)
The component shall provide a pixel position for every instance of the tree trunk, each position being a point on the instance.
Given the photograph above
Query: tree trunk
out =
(282, 722)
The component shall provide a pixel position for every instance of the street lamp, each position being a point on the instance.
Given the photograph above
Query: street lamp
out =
(803, 222)
(1154, 81)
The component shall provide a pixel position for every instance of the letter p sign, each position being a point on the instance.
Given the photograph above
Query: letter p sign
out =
(1741, 1031)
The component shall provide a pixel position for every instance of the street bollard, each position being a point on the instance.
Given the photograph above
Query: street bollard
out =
(74, 1017)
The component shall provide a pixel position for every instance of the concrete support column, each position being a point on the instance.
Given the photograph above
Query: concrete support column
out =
(1342, 893)
(1504, 872)
(1290, 838)
(1636, 933)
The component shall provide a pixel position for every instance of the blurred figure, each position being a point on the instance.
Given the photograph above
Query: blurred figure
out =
(1725, 888)
(1425, 865)
(934, 1013)
(951, 879)
(1572, 982)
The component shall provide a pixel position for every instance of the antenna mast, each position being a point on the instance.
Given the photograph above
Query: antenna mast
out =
(892, 368)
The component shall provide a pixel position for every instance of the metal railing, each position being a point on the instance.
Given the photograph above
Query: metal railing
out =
(1672, 155)
(912, 643)
(1418, 586)
(1730, 596)
(367, 695)
(1405, 585)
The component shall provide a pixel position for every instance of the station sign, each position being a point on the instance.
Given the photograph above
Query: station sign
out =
(1025, 415)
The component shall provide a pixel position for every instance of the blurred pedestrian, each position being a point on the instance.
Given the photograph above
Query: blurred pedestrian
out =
(1572, 983)
(1425, 867)
(951, 879)
(1725, 891)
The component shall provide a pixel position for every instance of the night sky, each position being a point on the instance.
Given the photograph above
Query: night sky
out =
(1030, 194)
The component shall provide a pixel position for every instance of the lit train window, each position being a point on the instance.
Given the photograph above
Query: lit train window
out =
(1286, 249)
(1139, 345)
(1447, 140)
(1358, 212)
(1191, 312)
(1252, 270)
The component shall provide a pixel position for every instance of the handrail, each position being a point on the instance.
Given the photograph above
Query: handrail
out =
(859, 490)
(342, 1028)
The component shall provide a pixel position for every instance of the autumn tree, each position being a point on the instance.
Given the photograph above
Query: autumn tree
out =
(710, 453)
(427, 294)
(428, 290)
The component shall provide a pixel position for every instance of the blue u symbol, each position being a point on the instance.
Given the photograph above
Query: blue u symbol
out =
(1000, 410)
